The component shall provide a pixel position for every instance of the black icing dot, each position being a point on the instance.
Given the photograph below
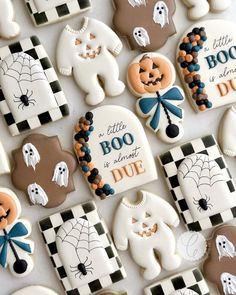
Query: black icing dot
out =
(172, 131)
(20, 266)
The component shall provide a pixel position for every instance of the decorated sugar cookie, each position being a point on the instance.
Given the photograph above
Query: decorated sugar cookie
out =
(4, 161)
(200, 183)
(43, 170)
(8, 27)
(81, 245)
(44, 12)
(89, 55)
(189, 282)
(113, 151)
(15, 248)
(146, 228)
(36, 290)
(227, 132)
(31, 95)
(150, 18)
(220, 266)
(206, 60)
(200, 8)
(151, 76)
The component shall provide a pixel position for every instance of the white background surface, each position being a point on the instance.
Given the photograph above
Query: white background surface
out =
(195, 125)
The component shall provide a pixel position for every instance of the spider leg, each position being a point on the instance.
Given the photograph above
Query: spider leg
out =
(32, 103)
(195, 201)
(89, 268)
(17, 100)
(73, 267)
(90, 271)
(21, 104)
(16, 96)
(199, 209)
(88, 264)
(30, 93)
(78, 274)
(27, 92)
(86, 260)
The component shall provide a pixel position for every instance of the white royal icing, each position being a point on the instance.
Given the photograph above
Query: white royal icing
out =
(161, 13)
(35, 290)
(31, 155)
(37, 195)
(8, 28)
(224, 247)
(4, 161)
(141, 36)
(229, 283)
(137, 3)
(61, 174)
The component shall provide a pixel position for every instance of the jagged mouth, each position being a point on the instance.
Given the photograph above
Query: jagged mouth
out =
(5, 216)
(154, 83)
(148, 232)
(91, 54)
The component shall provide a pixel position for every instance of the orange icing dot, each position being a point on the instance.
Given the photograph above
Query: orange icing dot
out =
(94, 186)
(186, 39)
(189, 58)
(101, 184)
(182, 53)
(194, 43)
(87, 174)
(202, 108)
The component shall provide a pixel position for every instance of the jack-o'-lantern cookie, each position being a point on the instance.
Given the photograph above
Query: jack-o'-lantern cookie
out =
(113, 151)
(220, 266)
(14, 247)
(151, 23)
(36, 290)
(43, 170)
(206, 59)
(151, 76)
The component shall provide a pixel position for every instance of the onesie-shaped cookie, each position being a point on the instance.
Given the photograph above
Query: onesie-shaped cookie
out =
(43, 170)
(152, 76)
(147, 24)
(4, 161)
(200, 8)
(36, 290)
(8, 28)
(220, 266)
(89, 54)
(14, 247)
(145, 227)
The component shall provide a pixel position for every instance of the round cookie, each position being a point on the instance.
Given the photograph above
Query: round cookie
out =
(206, 60)
(47, 170)
(35, 290)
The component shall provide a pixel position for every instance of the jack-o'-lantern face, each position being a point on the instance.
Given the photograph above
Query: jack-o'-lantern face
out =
(150, 75)
(8, 210)
(87, 47)
(144, 227)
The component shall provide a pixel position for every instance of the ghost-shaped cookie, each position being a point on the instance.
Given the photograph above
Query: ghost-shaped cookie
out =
(61, 174)
(225, 247)
(31, 155)
(229, 283)
(161, 13)
(37, 195)
(141, 36)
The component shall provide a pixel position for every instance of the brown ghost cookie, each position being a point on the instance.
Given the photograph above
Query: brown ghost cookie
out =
(220, 266)
(43, 170)
(147, 24)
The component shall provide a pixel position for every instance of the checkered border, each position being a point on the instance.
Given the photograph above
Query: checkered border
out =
(42, 18)
(170, 162)
(34, 48)
(49, 228)
(190, 279)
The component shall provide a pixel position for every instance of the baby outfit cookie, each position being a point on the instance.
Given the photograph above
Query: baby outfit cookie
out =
(220, 266)
(206, 60)
(36, 290)
(8, 27)
(200, 183)
(146, 230)
(200, 8)
(14, 245)
(189, 282)
(113, 151)
(31, 95)
(151, 76)
(89, 54)
(227, 133)
(43, 170)
(44, 12)
(150, 18)
(4, 161)
(78, 243)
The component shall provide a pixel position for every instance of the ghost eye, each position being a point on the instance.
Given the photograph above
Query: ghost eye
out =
(224, 242)
(26, 152)
(219, 244)
(64, 170)
(141, 70)
(162, 8)
(224, 281)
(60, 168)
(154, 66)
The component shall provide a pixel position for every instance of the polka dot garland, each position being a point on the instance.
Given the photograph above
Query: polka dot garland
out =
(188, 60)
(83, 130)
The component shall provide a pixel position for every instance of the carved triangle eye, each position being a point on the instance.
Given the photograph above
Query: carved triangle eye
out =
(92, 36)
(78, 42)
(147, 215)
(134, 220)
(145, 225)
(154, 66)
(141, 70)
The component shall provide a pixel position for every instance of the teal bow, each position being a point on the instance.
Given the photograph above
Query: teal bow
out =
(146, 105)
(18, 230)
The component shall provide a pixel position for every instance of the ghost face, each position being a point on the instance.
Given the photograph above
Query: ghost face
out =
(141, 36)
(161, 14)
(137, 3)
(8, 210)
(37, 195)
(61, 174)
(224, 247)
(229, 283)
(31, 155)
(144, 227)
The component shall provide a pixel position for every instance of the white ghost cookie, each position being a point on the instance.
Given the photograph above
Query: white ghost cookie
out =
(31, 155)
(225, 247)
(37, 195)
(8, 28)
(61, 174)
(161, 13)
(229, 283)
(35, 290)
(141, 36)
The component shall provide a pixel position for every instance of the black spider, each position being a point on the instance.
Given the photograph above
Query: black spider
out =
(203, 204)
(25, 100)
(82, 269)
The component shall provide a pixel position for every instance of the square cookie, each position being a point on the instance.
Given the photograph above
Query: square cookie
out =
(190, 282)
(30, 93)
(44, 12)
(200, 183)
(78, 243)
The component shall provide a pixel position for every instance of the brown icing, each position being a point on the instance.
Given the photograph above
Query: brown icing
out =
(51, 153)
(8, 210)
(213, 266)
(127, 18)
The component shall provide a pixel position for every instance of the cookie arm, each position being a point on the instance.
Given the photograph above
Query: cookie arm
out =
(119, 230)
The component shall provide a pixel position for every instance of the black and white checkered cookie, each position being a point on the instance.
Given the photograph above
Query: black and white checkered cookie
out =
(87, 211)
(35, 49)
(190, 279)
(171, 161)
(58, 12)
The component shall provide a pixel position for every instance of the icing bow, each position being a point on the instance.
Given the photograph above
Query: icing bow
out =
(18, 230)
(147, 104)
